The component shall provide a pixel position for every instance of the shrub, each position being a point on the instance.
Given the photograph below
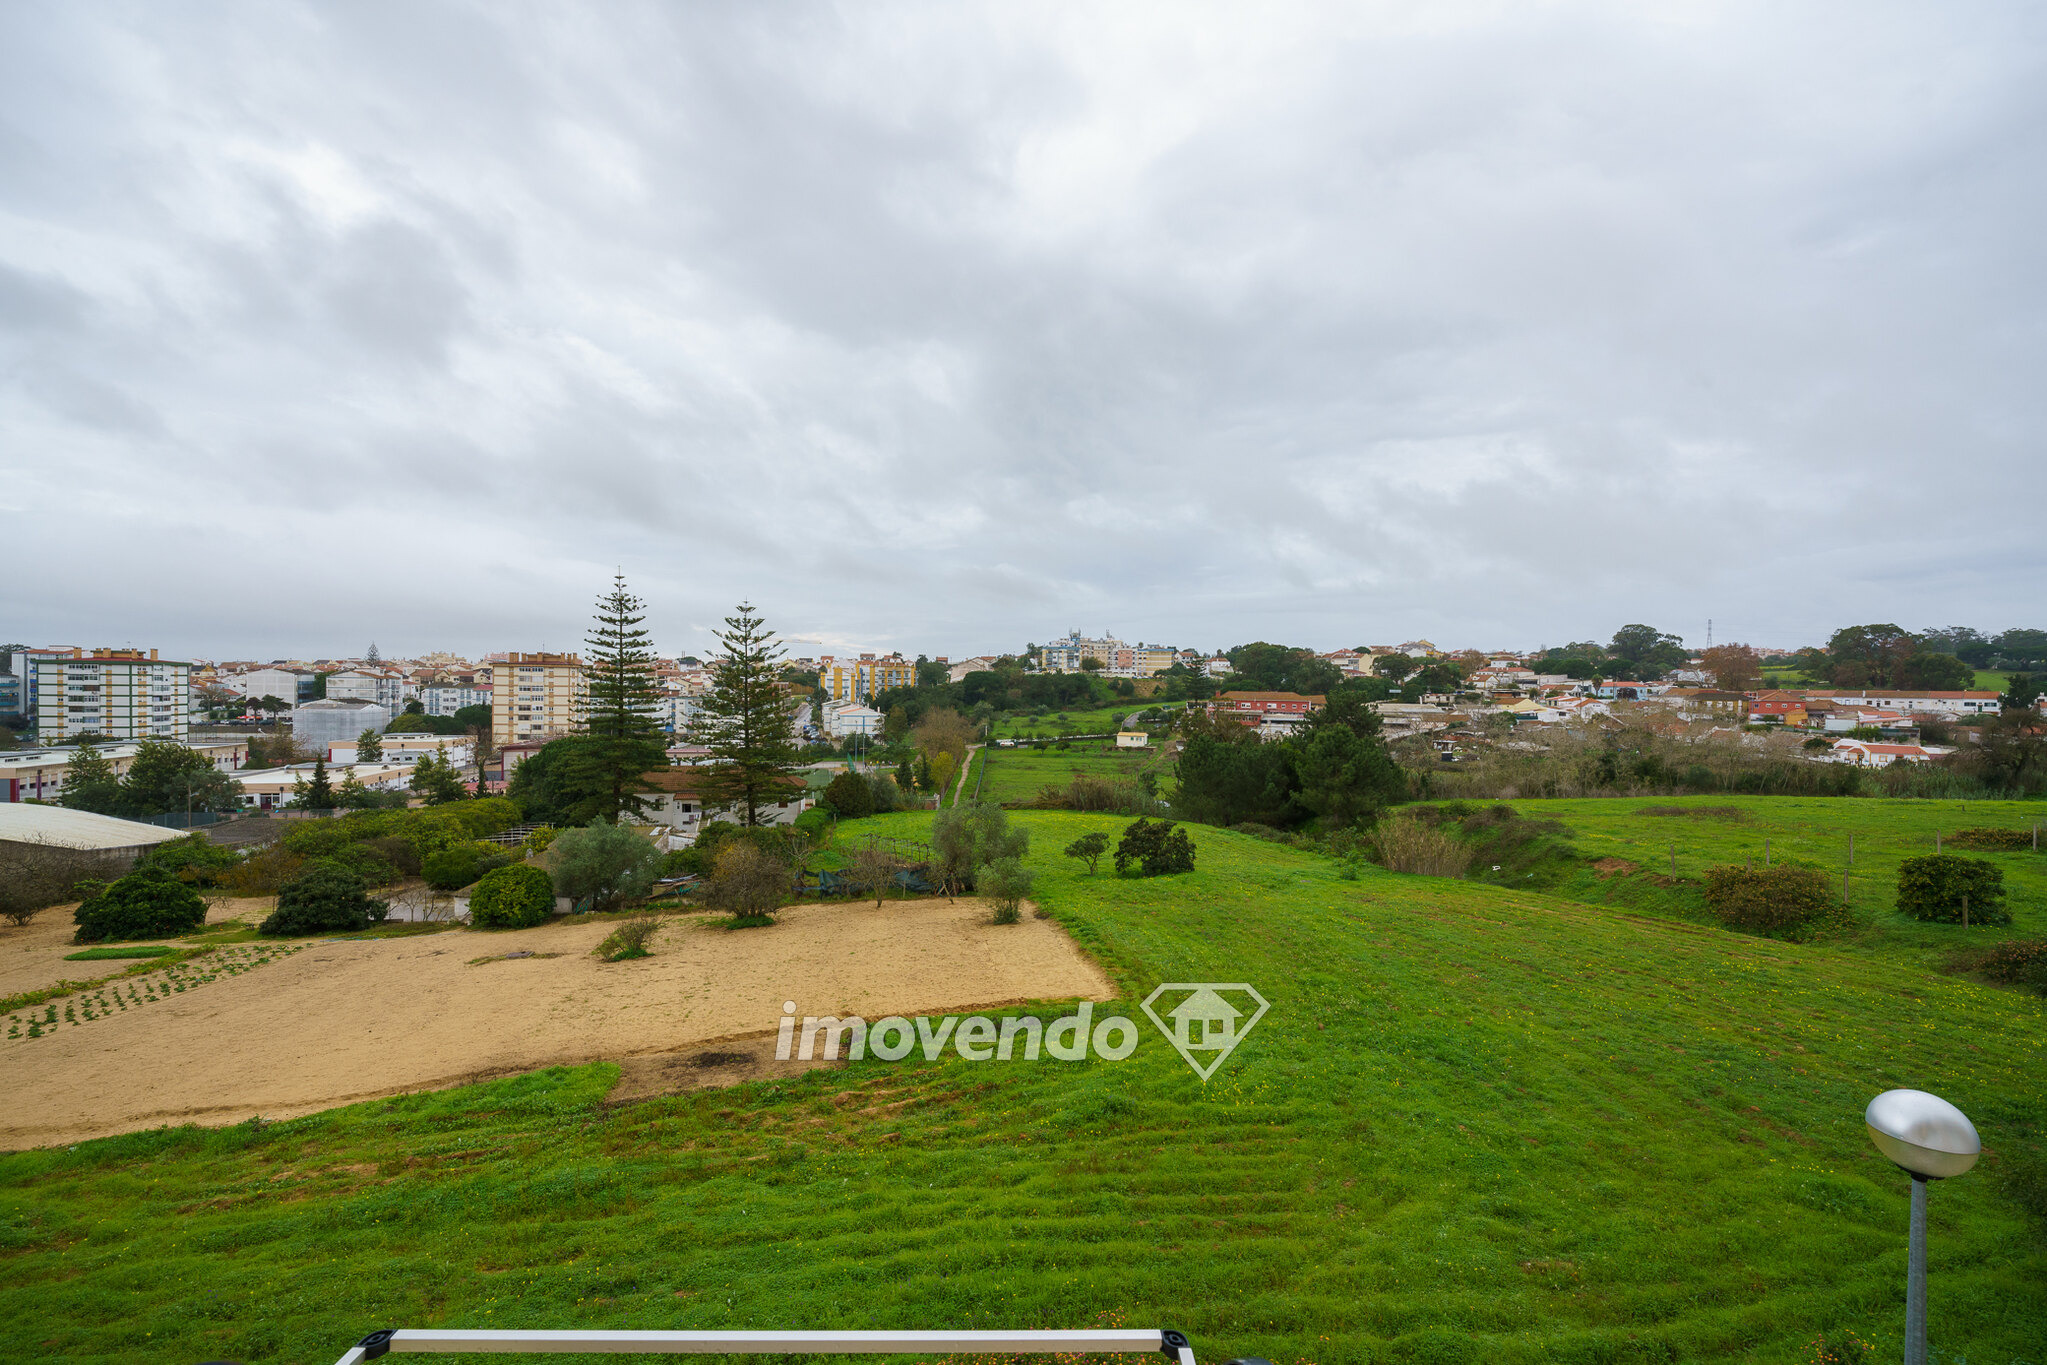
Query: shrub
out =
(1154, 848)
(1937, 886)
(398, 852)
(606, 864)
(887, 795)
(317, 838)
(195, 860)
(1993, 840)
(1406, 844)
(629, 939)
(965, 839)
(147, 903)
(459, 865)
(365, 862)
(538, 839)
(1006, 882)
(875, 868)
(850, 795)
(1786, 898)
(2014, 962)
(515, 897)
(747, 880)
(325, 898)
(1089, 848)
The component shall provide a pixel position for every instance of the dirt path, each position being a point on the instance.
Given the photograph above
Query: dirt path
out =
(351, 1020)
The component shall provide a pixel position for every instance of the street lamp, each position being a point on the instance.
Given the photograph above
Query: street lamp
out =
(1929, 1139)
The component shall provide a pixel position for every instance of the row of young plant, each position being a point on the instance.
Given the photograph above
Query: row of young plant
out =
(117, 995)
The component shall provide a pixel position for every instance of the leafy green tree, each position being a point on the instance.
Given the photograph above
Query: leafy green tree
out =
(1395, 666)
(604, 863)
(369, 746)
(850, 795)
(905, 775)
(1934, 672)
(1648, 651)
(1089, 848)
(435, 780)
(90, 784)
(2021, 693)
(624, 741)
(473, 717)
(1971, 646)
(1264, 667)
(1868, 656)
(744, 721)
(167, 776)
(895, 723)
(1154, 849)
(2025, 649)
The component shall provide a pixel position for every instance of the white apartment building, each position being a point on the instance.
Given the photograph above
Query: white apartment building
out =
(446, 701)
(257, 683)
(119, 693)
(385, 686)
(407, 749)
(843, 718)
(535, 696)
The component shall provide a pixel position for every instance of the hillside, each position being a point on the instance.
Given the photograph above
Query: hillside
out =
(1479, 1124)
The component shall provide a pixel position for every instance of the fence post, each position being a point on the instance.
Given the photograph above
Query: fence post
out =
(1851, 848)
(1766, 850)
(1844, 886)
(1673, 860)
(1965, 912)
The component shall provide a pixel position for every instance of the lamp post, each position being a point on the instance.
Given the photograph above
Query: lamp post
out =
(1929, 1139)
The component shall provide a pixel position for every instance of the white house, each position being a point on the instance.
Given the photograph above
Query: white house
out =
(1864, 753)
(843, 718)
(1132, 739)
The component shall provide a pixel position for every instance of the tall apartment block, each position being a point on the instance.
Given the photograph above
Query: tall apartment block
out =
(121, 693)
(535, 696)
(858, 679)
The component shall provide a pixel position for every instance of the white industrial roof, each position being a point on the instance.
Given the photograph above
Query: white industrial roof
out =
(21, 822)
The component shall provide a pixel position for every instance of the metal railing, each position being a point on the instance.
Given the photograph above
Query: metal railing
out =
(406, 1340)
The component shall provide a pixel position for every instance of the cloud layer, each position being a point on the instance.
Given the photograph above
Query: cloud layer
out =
(948, 327)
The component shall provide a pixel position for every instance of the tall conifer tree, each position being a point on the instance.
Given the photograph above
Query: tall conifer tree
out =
(745, 721)
(621, 740)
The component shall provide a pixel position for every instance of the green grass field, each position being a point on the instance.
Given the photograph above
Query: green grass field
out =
(1721, 830)
(1018, 774)
(1479, 1125)
(1103, 720)
(1989, 680)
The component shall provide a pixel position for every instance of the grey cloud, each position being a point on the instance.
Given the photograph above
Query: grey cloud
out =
(952, 327)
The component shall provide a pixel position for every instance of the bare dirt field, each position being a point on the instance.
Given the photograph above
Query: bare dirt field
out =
(32, 956)
(348, 1020)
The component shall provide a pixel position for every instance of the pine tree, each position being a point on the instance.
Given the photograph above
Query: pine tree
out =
(623, 739)
(369, 746)
(435, 780)
(317, 794)
(744, 722)
(373, 656)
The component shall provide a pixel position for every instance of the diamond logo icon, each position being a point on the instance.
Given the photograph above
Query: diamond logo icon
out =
(1208, 1022)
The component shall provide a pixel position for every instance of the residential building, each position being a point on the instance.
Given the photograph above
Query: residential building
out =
(536, 696)
(289, 686)
(386, 687)
(676, 711)
(10, 695)
(980, 663)
(1707, 701)
(407, 749)
(122, 693)
(274, 788)
(1957, 704)
(1133, 739)
(320, 724)
(862, 678)
(1258, 708)
(446, 700)
(677, 802)
(22, 664)
(1863, 753)
(843, 718)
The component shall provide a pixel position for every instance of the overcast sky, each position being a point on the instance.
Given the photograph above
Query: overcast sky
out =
(946, 327)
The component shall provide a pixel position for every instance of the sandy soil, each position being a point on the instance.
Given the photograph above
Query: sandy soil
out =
(32, 956)
(346, 1021)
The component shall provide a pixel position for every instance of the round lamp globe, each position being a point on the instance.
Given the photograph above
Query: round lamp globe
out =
(1922, 1133)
